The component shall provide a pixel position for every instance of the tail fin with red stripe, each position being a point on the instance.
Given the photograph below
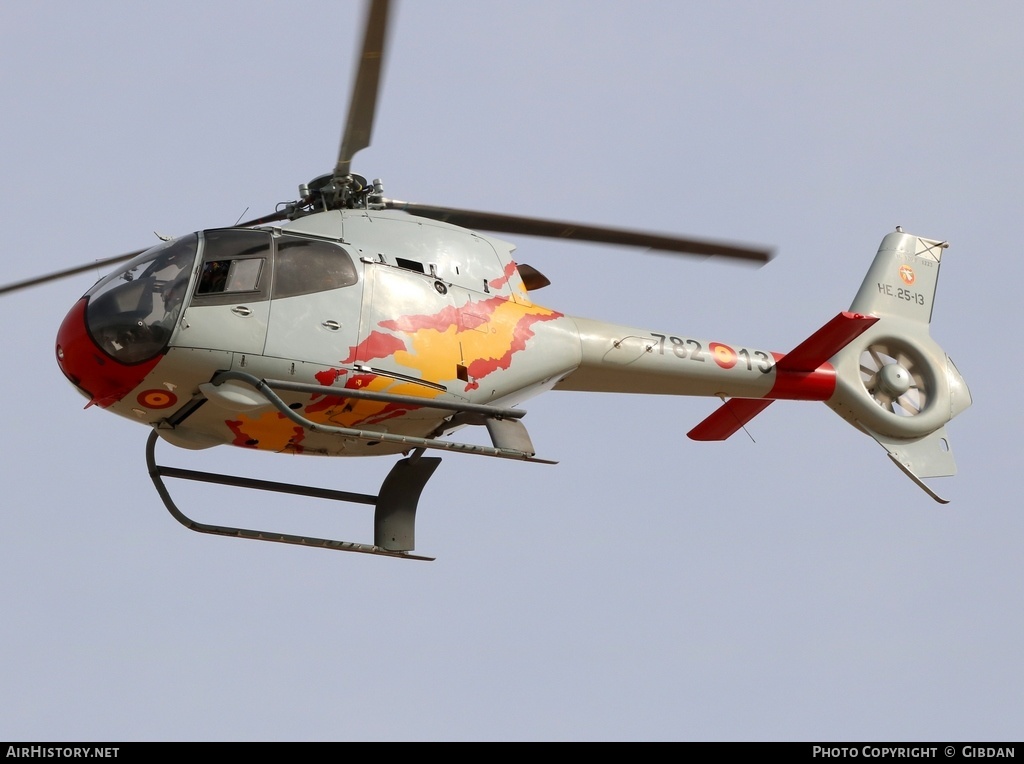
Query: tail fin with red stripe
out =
(876, 366)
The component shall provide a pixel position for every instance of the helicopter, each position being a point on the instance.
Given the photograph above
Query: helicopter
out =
(346, 323)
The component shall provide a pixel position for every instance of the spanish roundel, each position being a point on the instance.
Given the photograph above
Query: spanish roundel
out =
(157, 399)
(724, 355)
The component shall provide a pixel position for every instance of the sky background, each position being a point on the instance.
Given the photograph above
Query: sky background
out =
(790, 585)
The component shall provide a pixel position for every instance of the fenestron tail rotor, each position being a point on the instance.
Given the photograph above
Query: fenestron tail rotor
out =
(895, 378)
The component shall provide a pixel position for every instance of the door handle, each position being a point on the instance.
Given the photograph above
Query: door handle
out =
(241, 310)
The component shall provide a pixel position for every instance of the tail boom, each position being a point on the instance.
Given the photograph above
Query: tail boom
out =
(875, 365)
(802, 374)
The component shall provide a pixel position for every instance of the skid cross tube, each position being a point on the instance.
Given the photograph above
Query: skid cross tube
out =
(394, 517)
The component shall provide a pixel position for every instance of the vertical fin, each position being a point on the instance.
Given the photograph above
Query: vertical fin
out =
(898, 385)
(902, 279)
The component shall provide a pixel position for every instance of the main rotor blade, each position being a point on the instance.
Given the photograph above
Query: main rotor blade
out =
(38, 280)
(18, 285)
(272, 217)
(363, 106)
(515, 224)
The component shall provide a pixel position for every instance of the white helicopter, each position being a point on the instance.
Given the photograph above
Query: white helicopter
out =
(350, 324)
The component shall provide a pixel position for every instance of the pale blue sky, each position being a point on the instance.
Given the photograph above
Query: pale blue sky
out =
(645, 588)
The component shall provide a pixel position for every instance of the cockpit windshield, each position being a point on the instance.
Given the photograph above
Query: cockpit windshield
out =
(131, 314)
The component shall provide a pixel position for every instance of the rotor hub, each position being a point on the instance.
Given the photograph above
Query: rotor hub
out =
(894, 380)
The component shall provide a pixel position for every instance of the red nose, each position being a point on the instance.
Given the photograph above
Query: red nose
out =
(103, 380)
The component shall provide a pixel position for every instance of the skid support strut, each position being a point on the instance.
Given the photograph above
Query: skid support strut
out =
(394, 513)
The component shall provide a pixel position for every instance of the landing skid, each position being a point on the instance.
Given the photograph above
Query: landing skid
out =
(394, 513)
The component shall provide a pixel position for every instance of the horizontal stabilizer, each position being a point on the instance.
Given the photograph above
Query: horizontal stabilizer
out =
(791, 373)
(728, 418)
(826, 342)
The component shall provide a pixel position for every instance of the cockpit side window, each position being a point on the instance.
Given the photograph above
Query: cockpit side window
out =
(220, 276)
(305, 266)
(234, 267)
